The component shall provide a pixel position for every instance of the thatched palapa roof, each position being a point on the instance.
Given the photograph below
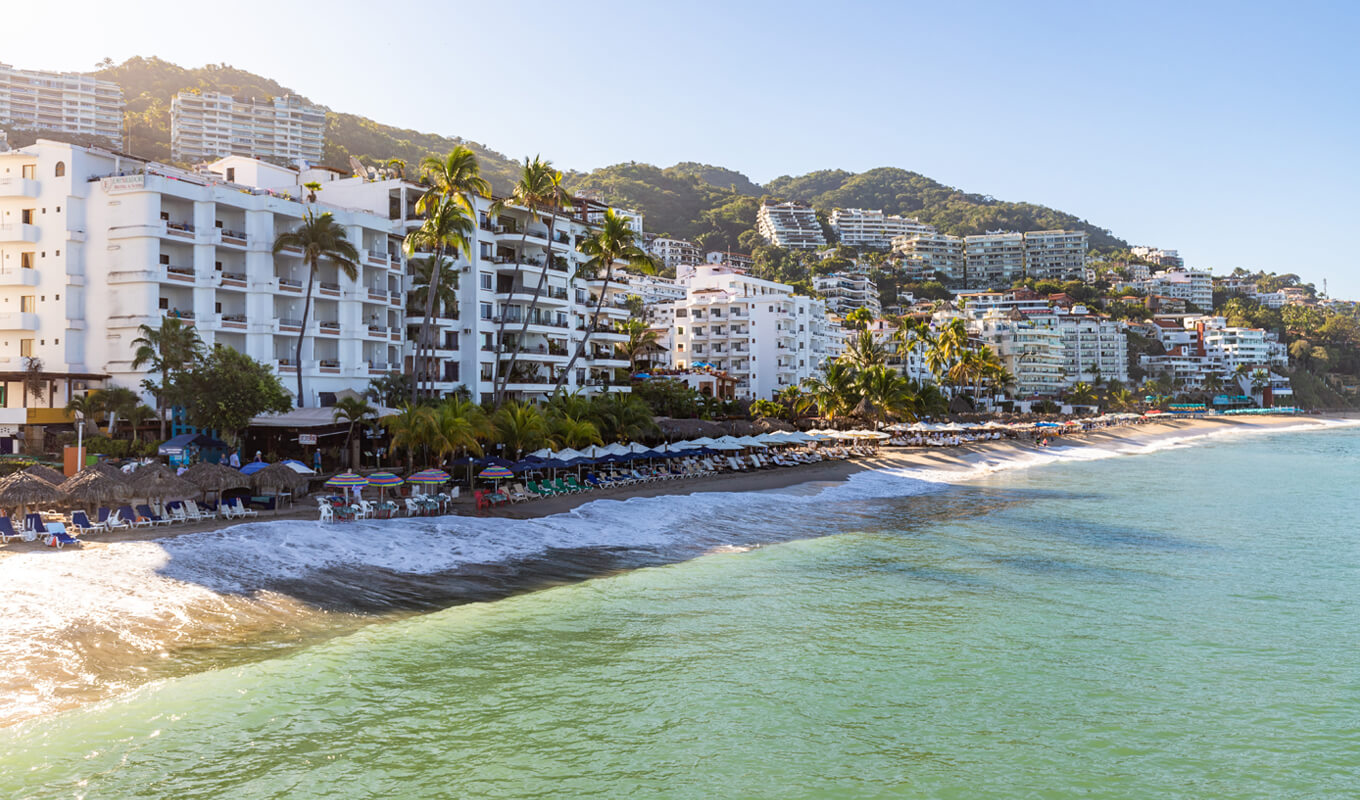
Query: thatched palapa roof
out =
(46, 473)
(215, 477)
(161, 484)
(279, 476)
(25, 489)
(91, 486)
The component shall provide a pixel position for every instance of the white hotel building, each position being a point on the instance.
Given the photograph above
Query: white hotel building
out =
(793, 226)
(758, 331)
(845, 292)
(94, 245)
(61, 101)
(211, 125)
(675, 253)
(858, 227)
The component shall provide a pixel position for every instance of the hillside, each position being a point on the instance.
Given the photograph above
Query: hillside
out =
(711, 205)
(149, 84)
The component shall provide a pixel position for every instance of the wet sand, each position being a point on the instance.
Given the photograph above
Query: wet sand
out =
(959, 458)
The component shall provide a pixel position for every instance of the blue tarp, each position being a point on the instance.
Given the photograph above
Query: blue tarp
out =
(177, 445)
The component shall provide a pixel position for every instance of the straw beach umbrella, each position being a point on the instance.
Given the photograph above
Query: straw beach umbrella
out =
(147, 475)
(23, 490)
(278, 476)
(111, 471)
(92, 487)
(159, 485)
(46, 473)
(215, 478)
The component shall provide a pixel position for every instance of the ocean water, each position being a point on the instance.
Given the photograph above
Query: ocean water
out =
(1179, 619)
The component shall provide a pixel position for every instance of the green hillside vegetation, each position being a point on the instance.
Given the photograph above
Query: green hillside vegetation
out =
(375, 144)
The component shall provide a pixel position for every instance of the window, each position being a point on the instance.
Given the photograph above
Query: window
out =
(26, 260)
(25, 348)
(30, 171)
(164, 304)
(26, 216)
(231, 174)
(680, 329)
(484, 310)
(28, 304)
(60, 170)
(486, 281)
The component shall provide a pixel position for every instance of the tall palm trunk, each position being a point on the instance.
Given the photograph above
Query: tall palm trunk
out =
(302, 334)
(590, 329)
(418, 366)
(533, 304)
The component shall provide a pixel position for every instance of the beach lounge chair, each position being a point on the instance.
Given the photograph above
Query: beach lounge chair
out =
(595, 481)
(58, 537)
(33, 524)
(81, 522)
(575, 486)
(126, 514)
(145, 512)
(242, 510)
(7, 531)
(111, 521)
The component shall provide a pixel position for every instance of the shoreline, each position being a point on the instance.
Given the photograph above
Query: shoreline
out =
(962, 458)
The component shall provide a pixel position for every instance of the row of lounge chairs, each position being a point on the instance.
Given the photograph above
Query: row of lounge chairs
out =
(692, 467)
(58, 533)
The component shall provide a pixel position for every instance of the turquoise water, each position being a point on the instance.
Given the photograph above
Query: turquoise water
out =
(1180, 624)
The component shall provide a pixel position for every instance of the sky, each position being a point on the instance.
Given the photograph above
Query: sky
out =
(1227, 131)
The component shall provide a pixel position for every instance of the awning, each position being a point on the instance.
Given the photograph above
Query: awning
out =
(323, 417)
(178, 444)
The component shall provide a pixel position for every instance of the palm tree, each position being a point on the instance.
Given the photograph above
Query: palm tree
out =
(1082, 394)
(117, 401)
(641, 338)
(137, 417)
(168, 350)
(354, 411)
(520, 426)
(84, 408)
(864, 351)
(947, 348)
(318, 237)
(460, 427)
(614, 243)
(834, 392)
(412, 427)
(622, 416)
(448, 229)
(1123, 399)
(575, 432)
(538, 189)
(884, 394)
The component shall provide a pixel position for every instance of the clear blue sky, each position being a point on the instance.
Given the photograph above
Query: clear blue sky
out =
(1225, 130)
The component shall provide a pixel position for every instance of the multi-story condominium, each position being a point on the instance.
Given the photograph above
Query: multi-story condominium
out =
(757, 331)
(844, 293)
(496, 313)
(926, 254)
(653, 289)
(1162, 258)
(94, 245)
(591, 208)
(207, 126)
(1055, 255)
(858, 227)
(734, 260)
(910, 362)
(61, 101)
(1208, 346)
(1191, 286)
(790, 225)
(993, 259)
(675, 253)
(1030, 350)
(1093, 347)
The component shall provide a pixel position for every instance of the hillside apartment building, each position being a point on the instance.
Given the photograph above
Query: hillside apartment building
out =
(211, 125)
(63, 102)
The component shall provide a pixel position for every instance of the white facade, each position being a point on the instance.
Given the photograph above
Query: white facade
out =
(212, 125)
(1191, 286)
(1092, 346)
(757, 331)
(1055, 255)
(675, 253)
(993, 259)
(1158, 256)
(790, 225)
(858, 227)
(845, 292)
(61, 101)
(1031, 351)
(736, 260)
(924, 255)
(94, 245)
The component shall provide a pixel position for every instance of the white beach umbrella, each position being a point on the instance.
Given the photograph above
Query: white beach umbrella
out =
(616, 449)
(725, 446)
(702, 441)
(634, 447)
(544, 453)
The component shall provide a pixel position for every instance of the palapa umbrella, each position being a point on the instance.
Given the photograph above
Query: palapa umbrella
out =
(215, 478)
(146, 475)
(111, 471)
(46, 473)
(93, 487)
(159, 485)
(277, 476)
(23, 490)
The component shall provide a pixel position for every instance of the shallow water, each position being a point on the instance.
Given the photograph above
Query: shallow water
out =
(1178, 624)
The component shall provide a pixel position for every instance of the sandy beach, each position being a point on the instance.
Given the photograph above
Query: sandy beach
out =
(960, 458)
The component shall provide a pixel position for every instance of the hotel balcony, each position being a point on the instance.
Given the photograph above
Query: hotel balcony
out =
(18, 187)
(18, 321)
(19, 232)
(19, 277)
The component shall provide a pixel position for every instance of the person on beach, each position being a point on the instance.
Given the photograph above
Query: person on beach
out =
(235, 459)
(316, 459)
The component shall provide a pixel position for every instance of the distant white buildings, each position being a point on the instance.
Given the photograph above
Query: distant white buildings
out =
(1162, 258)
(1198, 348)
(790, 225)
(924, 255)
(1189, 285)
(858, 227)
(1055, 255)
(845, 292)
(64, 102)
(994, 259)
(209, 125)
(755, 330)
(675, 253)
(734, 260)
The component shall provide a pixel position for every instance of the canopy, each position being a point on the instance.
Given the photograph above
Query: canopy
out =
(429, 476)
(346, 480)
(176, 445)
(495, 473)
(385, 480)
